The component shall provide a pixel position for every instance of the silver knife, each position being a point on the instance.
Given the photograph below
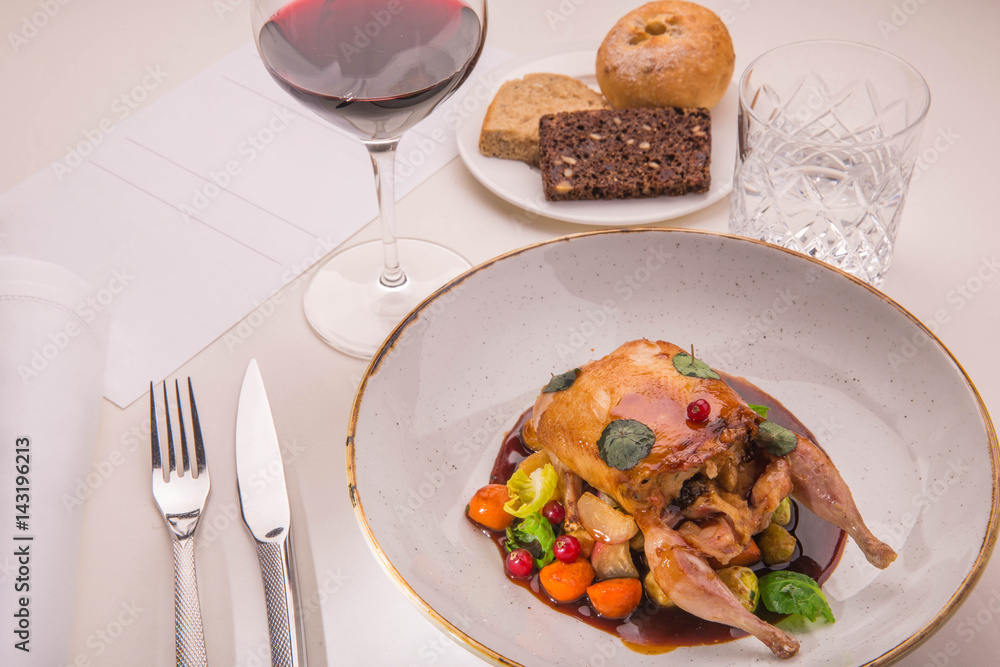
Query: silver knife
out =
(260, 478)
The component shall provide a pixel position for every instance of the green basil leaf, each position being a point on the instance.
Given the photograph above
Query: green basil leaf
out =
(693, 368)
(535, 534)
(759, 409)
(778, 439)
(561, 381)
(787, 592)
(625, 442)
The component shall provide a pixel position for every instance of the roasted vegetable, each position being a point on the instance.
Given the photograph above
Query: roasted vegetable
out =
(535, 534)
(604, 522)
(783, 513)
(787, 592)
(776, 545)
(613, 561)
(615, 598)
(486, 507)
(656, 593)
(743, 583)
(530, 492)
(567, 582)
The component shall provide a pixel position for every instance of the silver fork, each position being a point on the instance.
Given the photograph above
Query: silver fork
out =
(181, 499)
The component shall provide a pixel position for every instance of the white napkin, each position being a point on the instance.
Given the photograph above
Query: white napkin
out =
(52, 358)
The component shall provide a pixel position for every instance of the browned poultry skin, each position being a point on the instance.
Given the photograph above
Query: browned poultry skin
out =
(819, 486)
(689, 581)
(734, 486)
(638, 381)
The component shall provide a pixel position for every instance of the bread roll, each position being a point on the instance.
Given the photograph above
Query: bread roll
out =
(666, 54)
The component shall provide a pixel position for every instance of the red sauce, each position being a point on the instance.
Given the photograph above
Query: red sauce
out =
(650, 628)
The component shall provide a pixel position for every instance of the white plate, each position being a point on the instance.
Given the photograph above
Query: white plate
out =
(521, 184)
(893, 408)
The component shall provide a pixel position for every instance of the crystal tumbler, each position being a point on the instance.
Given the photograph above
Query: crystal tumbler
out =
(829, 132)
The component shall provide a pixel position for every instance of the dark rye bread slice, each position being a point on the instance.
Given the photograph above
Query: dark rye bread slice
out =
(625, 153)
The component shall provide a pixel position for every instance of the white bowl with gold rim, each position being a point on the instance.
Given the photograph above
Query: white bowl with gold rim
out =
(892, 407)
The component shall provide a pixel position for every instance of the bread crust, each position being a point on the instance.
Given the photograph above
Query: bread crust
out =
(666, 53)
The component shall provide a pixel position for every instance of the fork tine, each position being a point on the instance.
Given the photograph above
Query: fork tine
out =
(180, 419)
(170, 433)
(199, 446)
(154, 438)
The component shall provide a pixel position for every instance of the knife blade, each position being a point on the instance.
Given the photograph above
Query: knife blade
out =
(260, 479)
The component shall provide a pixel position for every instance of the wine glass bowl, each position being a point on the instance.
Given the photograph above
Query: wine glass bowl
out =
(372, 69)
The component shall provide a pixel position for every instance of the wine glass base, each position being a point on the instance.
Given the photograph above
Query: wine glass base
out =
(353, 312)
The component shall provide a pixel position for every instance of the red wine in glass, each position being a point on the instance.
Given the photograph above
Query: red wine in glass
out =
(374, 69)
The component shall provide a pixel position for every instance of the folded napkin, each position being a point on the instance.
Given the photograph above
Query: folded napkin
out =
(52, 357)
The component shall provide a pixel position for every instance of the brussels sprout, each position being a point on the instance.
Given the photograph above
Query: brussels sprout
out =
(783, 513)
(656, 593)
(743, 583)
(776, 545)
(638, 542)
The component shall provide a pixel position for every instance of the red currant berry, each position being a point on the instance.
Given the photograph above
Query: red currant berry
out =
(566, 548)
(554, 512)
(699, 410)
(520, 563)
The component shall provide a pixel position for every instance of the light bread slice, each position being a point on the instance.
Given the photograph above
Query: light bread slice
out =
(510, 128)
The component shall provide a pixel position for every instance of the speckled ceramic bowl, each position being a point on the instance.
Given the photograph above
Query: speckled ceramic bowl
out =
(892, 407)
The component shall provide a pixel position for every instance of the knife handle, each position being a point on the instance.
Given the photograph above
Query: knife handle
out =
(283, 617)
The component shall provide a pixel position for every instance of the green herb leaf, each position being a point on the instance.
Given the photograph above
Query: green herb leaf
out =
(561, 381)
(625, 442)
(759, 409)
(693, 368)
(535, 534)
(787, 592)
(778, 439)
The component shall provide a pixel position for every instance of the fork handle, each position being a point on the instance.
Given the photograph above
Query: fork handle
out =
(189, 637)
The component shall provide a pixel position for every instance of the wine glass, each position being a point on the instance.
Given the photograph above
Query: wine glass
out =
(372, 68)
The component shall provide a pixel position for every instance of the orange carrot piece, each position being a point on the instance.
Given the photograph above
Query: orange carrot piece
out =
(486, 507)
(615, 598)
(566, 582)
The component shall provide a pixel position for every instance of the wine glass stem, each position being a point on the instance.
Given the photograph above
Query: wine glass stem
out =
(383, 155)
